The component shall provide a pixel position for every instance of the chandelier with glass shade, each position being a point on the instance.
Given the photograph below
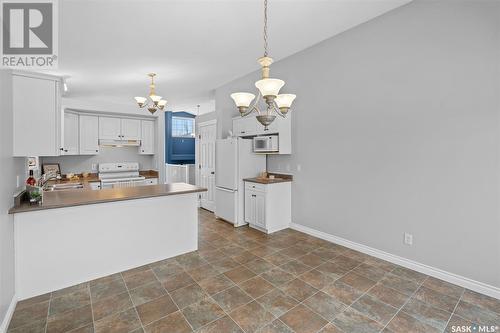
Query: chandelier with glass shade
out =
(154, 102)
(268, 90)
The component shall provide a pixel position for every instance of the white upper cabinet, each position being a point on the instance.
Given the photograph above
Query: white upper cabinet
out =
(110, 128)
(131, 129)
(147, 138)
(37, 115)
(89, 135)
(70, 134)
(245, 126)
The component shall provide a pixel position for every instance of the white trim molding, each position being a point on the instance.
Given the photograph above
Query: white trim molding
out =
(462, 281)
(8, 316)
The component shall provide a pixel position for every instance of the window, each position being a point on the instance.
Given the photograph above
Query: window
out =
(183, 127)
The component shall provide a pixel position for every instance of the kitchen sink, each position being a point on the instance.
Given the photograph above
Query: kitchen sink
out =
(61, 187)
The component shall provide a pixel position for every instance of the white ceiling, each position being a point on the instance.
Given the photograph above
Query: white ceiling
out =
(195, 46)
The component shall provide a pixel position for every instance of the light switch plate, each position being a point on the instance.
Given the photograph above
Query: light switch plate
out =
(408, 239)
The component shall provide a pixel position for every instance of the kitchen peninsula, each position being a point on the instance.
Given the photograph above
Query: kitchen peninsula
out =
(80, 235)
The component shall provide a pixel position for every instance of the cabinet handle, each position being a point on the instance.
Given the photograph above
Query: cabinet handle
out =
(65, 150)
(97, 151)
(61, 149)
(253, 195)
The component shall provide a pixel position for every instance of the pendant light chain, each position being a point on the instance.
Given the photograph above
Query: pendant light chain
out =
(265, 28)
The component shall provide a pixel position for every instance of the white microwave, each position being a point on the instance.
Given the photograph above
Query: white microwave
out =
(266, 144)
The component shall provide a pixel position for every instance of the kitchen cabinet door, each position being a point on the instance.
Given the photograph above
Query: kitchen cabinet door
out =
(245, 126)
(260, 209)
(250, 206)
(89, 135)
(131, 129)
(110, 128)
(147, 138)
(70, 137)
(37, 116)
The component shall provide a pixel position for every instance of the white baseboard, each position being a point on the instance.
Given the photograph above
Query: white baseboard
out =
(462, 281)
(8, 316)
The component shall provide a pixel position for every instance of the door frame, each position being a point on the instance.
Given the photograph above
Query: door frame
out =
(197, 151)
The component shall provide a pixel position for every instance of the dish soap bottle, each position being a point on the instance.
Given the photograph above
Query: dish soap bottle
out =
(31, 180)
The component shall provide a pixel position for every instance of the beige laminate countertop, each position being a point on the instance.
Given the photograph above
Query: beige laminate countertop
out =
(69, 198)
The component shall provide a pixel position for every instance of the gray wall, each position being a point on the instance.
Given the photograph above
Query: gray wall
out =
(396, 129)
(78, 164)
(10, 168)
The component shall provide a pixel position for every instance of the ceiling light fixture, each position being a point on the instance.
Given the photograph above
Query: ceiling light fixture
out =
(268, 89)
(157, 102)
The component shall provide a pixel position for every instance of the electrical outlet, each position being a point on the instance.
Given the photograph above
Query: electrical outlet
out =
(408, 239)
(18, 181)
(94, 167)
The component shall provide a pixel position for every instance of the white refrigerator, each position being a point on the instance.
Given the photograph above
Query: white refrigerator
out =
(234, 161)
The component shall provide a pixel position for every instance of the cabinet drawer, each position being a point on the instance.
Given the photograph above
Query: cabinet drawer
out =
(255, 186)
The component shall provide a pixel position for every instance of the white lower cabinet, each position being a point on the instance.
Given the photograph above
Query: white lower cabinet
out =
(268, 206)
(151, 181)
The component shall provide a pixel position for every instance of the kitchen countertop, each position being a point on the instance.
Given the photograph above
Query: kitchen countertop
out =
(278, 178)
(61, 199)
(94, 178)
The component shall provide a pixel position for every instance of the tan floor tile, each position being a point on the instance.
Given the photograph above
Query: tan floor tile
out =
(277, 276)
(311, 260)
(111, 305)
(342, 292)
(436, 299)
(358, 282)
(69, 290)
(477, 314)
(276, 326)
(224, 324)
(317, 279)
(156, 309)
(259, 266)
(251, 317)
(333, 270)
(301, 319)
(409, 274)
(201, 313)
(216, 284)
(177, 281)
(166, 270)
(106, 288)
(239, 274)
(36, 326)
(325, 305)
(174, 322)
(295, 268)
(32, 301)
(69, 301)
(403, 322)
(28, 314)
(277, 302)
(125, 321)
(188, 295)
(231, 298)
(298, 289)
(372, 272)
(426, 314)
(353, 321)
(69, 320)
(224, 265)
(483, 301)
(256, 286)
(146, 293)
(402, 285)
(388, 295)
(346, 263)
(139, 279)
(202, 272)
(374, 309)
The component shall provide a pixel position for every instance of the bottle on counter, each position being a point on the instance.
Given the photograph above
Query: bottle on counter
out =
(31, 180)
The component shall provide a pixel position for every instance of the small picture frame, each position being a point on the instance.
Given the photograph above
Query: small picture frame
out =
(51, 169)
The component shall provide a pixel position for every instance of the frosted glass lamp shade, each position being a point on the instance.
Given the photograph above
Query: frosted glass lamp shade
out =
(162, 103)
(140, 100)
(155, 98)
(284, 100)
(269, 87)
(242, 99)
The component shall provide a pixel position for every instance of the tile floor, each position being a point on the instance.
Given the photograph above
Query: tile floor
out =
(241, 280)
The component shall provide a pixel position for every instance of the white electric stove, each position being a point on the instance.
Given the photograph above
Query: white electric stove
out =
(117, 175)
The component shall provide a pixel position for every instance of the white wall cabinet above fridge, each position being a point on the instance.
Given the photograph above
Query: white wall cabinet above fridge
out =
(37, 116)
(249, 127)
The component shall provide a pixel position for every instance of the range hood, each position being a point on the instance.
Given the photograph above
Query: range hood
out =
(120, 143)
